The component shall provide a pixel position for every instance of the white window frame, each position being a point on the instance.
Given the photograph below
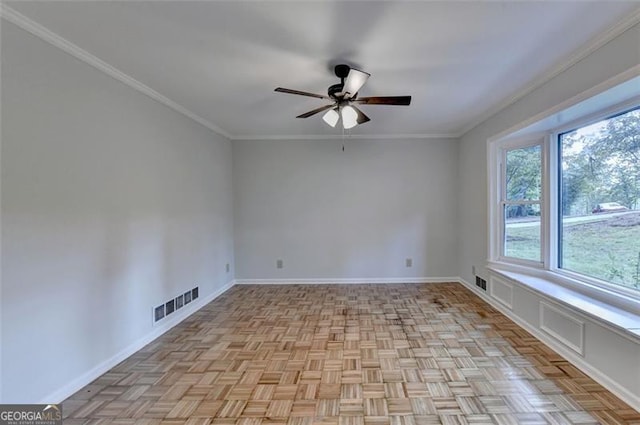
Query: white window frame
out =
(497, 193)
(555, 196)
(502, 161)
(549, 215)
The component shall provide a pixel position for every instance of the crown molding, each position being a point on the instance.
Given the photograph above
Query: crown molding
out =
(74, 50)
(56, 40)
(588, 48)
(347, 136)
(65, 45)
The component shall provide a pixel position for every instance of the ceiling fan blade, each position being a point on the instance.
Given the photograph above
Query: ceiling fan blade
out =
(362, 118)
(301, 93)
(354, 82)
(384, 100)
(315, 111)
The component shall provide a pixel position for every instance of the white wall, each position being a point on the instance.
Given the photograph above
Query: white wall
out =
(111, 204)
(526, 306)
(353, 214)
(613, 58)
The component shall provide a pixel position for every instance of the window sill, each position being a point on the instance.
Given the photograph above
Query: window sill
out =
(623, 315)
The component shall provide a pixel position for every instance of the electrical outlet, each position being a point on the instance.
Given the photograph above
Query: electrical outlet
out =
(473, 270)
(279, 264)
(408, 262)
(227, 267)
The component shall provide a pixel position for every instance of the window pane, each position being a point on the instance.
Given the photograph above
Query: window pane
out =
(524, 173)
(600, 200)
(522, 231)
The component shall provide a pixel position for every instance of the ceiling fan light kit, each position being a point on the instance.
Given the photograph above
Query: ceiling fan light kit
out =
(331, 117)
(349, 117)
(355, 81)
(344, 96)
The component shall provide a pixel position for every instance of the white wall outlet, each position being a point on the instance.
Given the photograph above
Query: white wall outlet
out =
(227, 267)
(279, 264)
(473, 270)
(408, 262)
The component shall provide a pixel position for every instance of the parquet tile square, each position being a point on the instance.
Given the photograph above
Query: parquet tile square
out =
(405, 354)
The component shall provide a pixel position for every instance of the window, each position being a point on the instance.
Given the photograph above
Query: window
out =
(565, 201)
(600, 200)
(522, 192)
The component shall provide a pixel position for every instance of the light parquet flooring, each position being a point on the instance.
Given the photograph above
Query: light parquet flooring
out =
(404, 354)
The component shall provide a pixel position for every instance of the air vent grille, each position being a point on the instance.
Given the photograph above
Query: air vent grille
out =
(169, 307)
(481, 283)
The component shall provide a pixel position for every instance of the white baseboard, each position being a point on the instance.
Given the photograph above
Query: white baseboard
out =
(342, 281)
(86, 378)
(578, 361)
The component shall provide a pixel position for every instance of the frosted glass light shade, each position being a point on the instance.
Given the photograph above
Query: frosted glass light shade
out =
(355, 81)
(331, 117)
(349, 117)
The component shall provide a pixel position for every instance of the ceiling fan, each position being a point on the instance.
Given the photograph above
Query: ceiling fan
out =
(344, 96)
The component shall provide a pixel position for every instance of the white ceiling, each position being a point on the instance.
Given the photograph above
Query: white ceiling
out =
(221, 60)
